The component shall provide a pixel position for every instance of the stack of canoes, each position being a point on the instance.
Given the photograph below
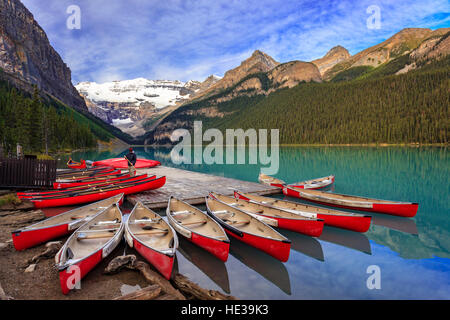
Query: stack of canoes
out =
(87, 193)
(305, 191)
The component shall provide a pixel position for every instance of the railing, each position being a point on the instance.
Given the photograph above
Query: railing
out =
(27, 173)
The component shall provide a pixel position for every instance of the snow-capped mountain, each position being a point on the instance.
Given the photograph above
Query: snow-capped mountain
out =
(129, 104)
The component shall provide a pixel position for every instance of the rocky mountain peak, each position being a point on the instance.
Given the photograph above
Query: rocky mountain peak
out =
(27, 58)
(334, 56)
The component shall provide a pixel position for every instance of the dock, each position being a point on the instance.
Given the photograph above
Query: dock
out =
(192, 187)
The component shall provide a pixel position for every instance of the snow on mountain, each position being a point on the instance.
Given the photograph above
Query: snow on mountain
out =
(160, 93)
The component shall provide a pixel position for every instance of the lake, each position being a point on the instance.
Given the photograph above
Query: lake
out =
(410, 255)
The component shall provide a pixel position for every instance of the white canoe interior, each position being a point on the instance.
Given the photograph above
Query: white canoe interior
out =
(315, 182)
(259, 209)
(100, 231)
(339, 198)
(76, 215)
(295, 206)
(241, 220)
(265, 179)
(150, 229)
(194, 220)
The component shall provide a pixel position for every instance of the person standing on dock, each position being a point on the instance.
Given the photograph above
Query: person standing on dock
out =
(131, 157)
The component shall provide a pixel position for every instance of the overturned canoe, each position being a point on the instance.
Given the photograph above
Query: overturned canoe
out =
(152, 237)
(308, 184)
(403, 209)
(274, 217)
(95, 194)
(122, 163)
(77, 165)
(198, 227)
(246, 228)
(59, 225)
(88, 245)
(341, 219)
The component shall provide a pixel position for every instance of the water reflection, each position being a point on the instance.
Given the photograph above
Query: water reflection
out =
(212, 267)
(346, 238)
(306, 245)
(267, 266)
(406, 225)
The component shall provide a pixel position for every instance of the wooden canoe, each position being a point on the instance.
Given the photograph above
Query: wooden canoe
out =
(59, 225)
(198, 227)
(403, 209)
(91, 195)
(246, 228)
(88, 245)
(308, 184)
(341, 219)
(152, 237)
(274, 217)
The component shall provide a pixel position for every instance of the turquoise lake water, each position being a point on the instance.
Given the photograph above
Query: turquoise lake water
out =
(412, 254)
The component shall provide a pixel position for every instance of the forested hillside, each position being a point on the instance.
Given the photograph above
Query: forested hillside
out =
(375, 107)
(43, 125)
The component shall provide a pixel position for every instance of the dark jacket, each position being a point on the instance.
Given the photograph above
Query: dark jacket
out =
(132, 157)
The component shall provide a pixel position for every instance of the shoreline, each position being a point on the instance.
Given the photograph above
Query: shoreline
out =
(417, 145)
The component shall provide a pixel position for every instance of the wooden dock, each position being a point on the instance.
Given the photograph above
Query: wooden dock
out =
(192, 187)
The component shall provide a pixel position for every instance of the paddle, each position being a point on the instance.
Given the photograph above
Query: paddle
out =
(130, 163)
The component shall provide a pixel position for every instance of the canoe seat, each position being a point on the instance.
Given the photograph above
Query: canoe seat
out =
(138, 221)
(175, 213)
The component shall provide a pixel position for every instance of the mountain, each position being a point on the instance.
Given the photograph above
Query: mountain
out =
(399, 44)
(334, 56)
(304, 101)
(133, 105)
(27, 58)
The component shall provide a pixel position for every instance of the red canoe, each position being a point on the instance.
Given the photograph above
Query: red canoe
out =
(88, 245)
(59, 225)
(198, 227)
(152, 237)
(75, 183)
(308, 184)
(341, 219)
(90, 186)
(248, 229)
(91, 195)
(275, 217)
(403, 209)
(121, 163)
(76, 165)
(96, 176)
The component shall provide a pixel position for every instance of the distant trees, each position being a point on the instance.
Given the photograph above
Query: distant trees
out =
(383, 108)
(38, 126)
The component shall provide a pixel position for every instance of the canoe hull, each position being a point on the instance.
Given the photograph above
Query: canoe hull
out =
(218, 248)
(78, 271)
(82, 165)
(277, 249)
(74, 200)
(121, 163)
(162, 262)
(29, 238)
(312, 228)
(397, 209)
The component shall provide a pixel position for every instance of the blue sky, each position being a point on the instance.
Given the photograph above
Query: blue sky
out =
(183, 40)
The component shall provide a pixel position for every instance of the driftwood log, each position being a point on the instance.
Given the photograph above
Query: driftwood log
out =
(51, 250)
(148, 293)
(3, 295)
(168, 291)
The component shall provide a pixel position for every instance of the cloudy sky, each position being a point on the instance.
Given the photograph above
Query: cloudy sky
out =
(184, 39)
